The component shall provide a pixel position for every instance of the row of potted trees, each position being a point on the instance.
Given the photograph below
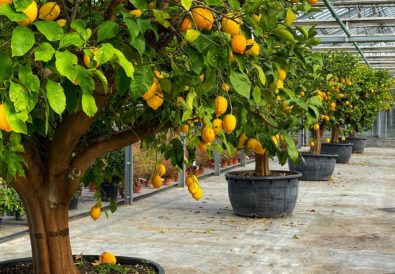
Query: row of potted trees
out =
(352, 95)
(10, 203)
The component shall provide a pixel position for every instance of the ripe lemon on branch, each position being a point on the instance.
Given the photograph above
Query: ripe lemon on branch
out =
(239, 43)
(49, 11)
(231, 25)
(31, 12)
(220, 105)
(203, 18)
(4, 125)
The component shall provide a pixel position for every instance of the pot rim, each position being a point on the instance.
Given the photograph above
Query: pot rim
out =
(319, 155)
(339, 144)
(356, 138)
(290, 175)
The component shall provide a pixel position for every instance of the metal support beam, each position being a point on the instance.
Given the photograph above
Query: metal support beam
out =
(350, 22)
(242, 158)
(128, 180)
(348, 3)
(366, 49)
(334, 14)
(335, 39)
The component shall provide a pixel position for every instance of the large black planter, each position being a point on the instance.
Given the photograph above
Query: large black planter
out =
(269, 196)
(109, 191)
(343, 151)
(358, 142)
(314, 167)
(90, 258)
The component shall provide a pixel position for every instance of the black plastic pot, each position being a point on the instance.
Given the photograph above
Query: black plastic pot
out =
(269, 196)
(109, 191)
(358, 142)
(73, 203)
(343, 151)
(314, 167)
(91, 258)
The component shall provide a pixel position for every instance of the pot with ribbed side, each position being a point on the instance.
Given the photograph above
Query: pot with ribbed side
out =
(263, 196)
(343, 151)
(314, 167)
(358, 142)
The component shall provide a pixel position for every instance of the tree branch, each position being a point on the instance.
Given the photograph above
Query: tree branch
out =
(69, 132)
(111, 8)
(116, 141)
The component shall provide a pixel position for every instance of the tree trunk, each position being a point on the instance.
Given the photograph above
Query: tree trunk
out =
(335, 135)
(49, 235)
(318, 141)
(262, 164)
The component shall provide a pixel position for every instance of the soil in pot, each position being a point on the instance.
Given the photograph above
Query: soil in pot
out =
(258, 196)
(124, 265)
(314, 167)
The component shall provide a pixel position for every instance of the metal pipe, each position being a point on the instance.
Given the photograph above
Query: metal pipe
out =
(334, 14)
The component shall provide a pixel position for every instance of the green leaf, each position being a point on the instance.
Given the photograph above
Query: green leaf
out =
(315, 101)
(303, 31)
(22, 40)
(21, 5)
(14, 164)
(241, 83)
(142, 81)
(186, 4)
(292, 149)
(50, 29)
(284, 34)
(133, 28)
(256, 94)
(104, 54)
(15, 143)
(16, 123)
(261, 74)
(66, 64)
(5, 68)
(56, 96)
(234, 4)
(290, 17)
(122, 82)
(71, 39)
(27, 78)
(10, 13)
(18, 96)
(139, 44)
(191, 35)
(79, 26)
(102, 78)
(85, 80)
(161, 17)
(107, 30)
(124, 63)
(44, 52)
(89, 104)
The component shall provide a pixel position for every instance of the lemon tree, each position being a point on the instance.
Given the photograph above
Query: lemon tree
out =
(82, 79)
(354, 94)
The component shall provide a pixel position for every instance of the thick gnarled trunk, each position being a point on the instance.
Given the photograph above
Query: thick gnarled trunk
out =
(262, 164)
(49, 237)
(316, 149)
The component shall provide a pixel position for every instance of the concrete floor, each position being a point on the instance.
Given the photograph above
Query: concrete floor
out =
(337, 227)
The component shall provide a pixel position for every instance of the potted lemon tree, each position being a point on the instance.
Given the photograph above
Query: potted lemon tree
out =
(108, 75)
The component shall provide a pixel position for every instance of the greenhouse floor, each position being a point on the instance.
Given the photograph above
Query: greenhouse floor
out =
(345, 225)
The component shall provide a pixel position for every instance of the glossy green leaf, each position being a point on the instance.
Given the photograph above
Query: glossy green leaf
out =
(5, 68)
(141, 82)
(19, 96)
(186, 4)
(71, 39)
(50, 29)
(66, 64)
(56, 96)
(107, 30)
(89, 104)
(10, 13)
(44, 52)
(22, 40)
(241, 83)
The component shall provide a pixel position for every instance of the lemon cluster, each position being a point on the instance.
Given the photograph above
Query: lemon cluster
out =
(193, 187)
(157, 180)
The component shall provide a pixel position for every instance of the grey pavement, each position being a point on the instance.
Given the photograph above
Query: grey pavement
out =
(346, 225)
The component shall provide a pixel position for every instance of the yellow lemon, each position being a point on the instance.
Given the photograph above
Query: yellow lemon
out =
(316, 127)
(217, 126)
(332, 106)
(193, 188)
(190, 180)
(229, 25)
(180, 101)
(203, 18)
(208, 135)
(151, 91)
(282, 74)
(157, 181)
(49, 11)
(239, 43)
(61, 22)
(185, 24)
(225, 87)
(252, 144)
(220, 105)
(95, 212)
(312, 143)
(31, 12)
(302, 93)
(202, 146)
(184, 129)
(107, 258)
(3, 2)
(242, 141)
(260, 150)
(254, 49)
(328, 140)
(280, 83)
(4, 125)
(161, 169)
(156, 101)
(275, 141)
(136, 13)
(229, 123)
(198, 194)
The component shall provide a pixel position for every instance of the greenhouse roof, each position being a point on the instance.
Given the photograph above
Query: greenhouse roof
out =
(366, 27)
